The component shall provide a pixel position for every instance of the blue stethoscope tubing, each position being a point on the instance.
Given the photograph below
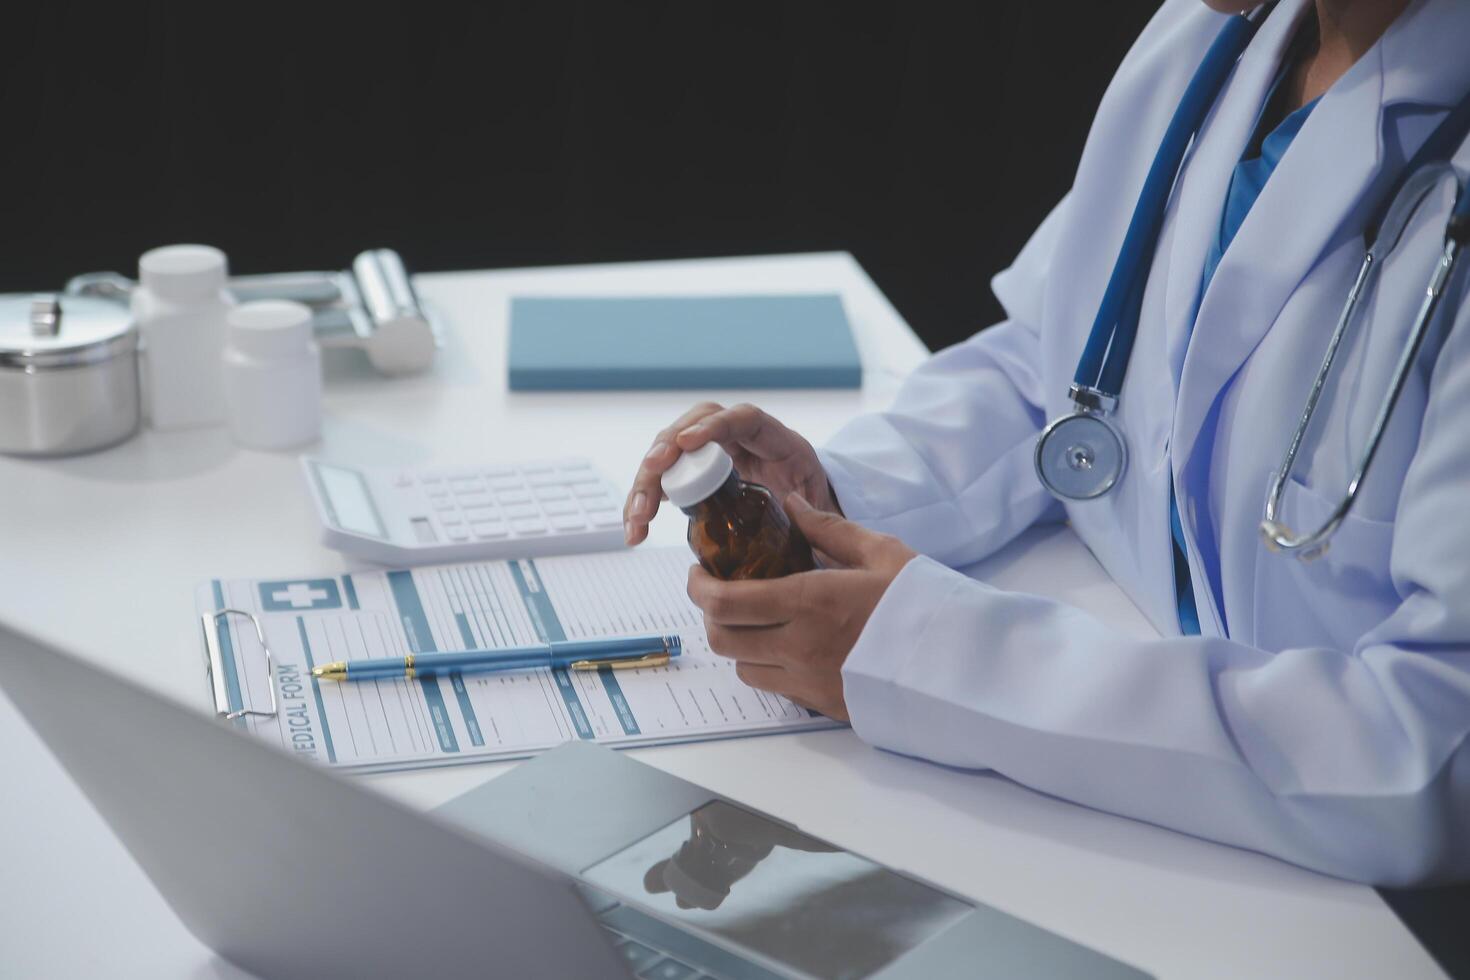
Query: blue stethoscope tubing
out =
(1082, 455)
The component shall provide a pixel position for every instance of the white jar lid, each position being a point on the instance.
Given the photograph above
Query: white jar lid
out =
(183, 270)
(270, 328)
(695, 475)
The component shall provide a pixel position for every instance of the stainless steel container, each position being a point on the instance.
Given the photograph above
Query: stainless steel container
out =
(68, 374)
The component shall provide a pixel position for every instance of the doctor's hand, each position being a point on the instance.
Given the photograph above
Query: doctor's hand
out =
(792, 635)
(764, 452)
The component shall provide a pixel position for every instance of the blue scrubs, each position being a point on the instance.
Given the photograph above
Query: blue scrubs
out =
(1247, 180)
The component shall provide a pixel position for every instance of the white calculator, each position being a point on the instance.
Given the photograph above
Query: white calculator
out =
(411, 516)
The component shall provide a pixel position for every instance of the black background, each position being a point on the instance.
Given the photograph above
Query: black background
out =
(927, 138)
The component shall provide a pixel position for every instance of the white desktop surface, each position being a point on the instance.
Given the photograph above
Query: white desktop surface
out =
(101, 554)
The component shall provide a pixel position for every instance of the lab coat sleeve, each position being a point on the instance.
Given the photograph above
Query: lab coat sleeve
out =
(948, 468)
(1352, 762)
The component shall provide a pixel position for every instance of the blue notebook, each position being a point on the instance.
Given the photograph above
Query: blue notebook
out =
(617, 343)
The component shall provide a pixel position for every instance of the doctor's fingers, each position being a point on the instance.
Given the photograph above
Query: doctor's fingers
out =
(793, 661)
(803, 646)
(767, 602)
(765, 677)
(789, 686)
(645, 494)
(742, 429)
(763, 645)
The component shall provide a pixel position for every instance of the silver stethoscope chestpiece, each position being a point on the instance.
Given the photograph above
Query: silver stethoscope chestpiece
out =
(1080, 456)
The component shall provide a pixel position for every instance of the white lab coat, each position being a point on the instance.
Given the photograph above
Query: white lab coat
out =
(1322, 716)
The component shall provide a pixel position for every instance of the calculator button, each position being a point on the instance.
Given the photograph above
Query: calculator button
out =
(493, 471)
(513, 497)
(590, 490)
(438, 491)
(583, 476)
(430, 478)
(403, 480)
(475, 500)
(443, 503)
(528, 525)
(506, 483)
(604, 518)
(486, 530)
(547, 480)
(522, 510)
(560, 507)
(574, 465)
(477, 515)
(537, 468)
(451, 519)
(568, 522)
(457, 533)
(598, 503)
(464, 487)
(557, 492)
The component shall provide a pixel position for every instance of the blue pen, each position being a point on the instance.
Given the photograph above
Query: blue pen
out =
(618, 653)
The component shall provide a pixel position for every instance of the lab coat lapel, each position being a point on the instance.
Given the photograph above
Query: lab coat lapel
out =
(1205, 178)
(1312, 197)
(1424, 55)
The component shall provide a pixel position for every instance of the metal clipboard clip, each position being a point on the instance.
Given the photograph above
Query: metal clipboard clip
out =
(214, 665)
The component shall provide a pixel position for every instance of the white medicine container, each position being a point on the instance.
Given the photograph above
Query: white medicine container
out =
(180, 307)
(273, 376)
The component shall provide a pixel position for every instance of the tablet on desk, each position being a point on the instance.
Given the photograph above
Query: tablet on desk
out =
(679, 874)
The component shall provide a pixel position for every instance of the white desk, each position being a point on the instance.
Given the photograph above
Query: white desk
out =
(101, 553)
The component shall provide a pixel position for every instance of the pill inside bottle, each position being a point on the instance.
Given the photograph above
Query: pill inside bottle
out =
(737, 529)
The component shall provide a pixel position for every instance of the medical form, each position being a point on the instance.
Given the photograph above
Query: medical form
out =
(402, 723)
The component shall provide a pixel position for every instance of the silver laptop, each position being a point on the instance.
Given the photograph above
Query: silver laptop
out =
(580, 863)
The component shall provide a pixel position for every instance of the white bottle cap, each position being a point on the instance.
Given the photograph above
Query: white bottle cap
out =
(270, 328)
(695, 475)
(183, 270)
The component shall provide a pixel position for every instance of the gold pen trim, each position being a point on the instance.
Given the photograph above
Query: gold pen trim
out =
(408, 666)
(648, 660)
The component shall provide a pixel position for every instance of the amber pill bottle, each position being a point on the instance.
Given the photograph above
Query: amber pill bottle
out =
(737, 530)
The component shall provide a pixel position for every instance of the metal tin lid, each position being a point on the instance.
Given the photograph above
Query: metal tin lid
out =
(46, 330)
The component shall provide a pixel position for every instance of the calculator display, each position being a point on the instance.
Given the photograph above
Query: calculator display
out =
(348, 500)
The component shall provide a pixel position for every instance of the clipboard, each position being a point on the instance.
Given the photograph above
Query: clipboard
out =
(402, 723)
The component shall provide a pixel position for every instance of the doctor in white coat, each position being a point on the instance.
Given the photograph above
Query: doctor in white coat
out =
(1316, 711)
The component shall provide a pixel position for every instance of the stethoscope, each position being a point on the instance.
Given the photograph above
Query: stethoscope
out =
(1082, 455)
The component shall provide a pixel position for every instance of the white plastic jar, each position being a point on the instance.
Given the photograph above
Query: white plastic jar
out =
(272, 376)
(180, 307)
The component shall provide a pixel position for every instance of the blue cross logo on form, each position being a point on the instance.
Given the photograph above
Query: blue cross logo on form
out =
(300, 596)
